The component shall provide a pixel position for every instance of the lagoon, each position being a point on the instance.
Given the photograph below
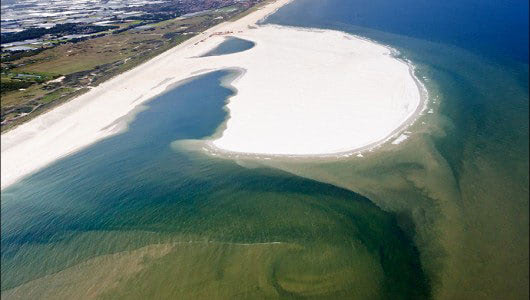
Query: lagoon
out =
(230, 45)
(178, 223)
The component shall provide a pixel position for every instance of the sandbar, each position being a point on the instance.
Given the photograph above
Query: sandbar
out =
(303, 92)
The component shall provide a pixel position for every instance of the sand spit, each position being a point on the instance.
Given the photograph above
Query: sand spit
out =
(303, 92)
(313, 92)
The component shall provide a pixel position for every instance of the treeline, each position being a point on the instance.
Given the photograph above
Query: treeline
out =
(132, 27)
(146, 19)
(14, 55)
(129, 27)
(80, 39)
(155, 17)
(58, 29)
(13, 85)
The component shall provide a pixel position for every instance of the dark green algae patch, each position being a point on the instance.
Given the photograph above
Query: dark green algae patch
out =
(183, 224)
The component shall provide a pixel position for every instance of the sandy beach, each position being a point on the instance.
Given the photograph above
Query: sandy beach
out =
(313, 92)
(304, 92)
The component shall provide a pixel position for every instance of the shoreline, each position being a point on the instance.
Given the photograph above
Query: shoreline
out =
(84, 120)
(213, 143)
(107, 109)
(210, 148)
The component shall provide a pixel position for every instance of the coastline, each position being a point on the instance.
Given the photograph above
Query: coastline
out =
(397, 136)
(349, 75)
(85, 119)
(106, 109)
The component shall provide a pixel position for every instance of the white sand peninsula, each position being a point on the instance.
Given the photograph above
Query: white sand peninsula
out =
(310, 92)
(303, 92)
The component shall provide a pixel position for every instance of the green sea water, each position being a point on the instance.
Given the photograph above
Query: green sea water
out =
(459, 183)
(442, 215)
(133, 217)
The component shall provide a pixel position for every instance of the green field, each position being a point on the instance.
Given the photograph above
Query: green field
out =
(89, 63)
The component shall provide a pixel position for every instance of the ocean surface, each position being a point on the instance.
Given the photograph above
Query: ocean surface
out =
(459, 184)
(442, 215)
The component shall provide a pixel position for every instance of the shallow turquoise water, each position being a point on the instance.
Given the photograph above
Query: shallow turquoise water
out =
(134, 190)
(443, 215)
